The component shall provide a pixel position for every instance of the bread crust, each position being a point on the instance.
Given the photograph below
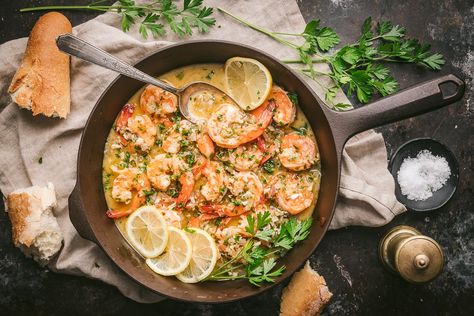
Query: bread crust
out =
(42, 83)
(306, 295)
(18, 210)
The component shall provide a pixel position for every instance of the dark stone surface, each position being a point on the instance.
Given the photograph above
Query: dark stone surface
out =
(347, 258)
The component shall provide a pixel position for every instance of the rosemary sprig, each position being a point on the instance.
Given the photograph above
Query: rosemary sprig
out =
(255, 262)
(355, 67)
(150, 17)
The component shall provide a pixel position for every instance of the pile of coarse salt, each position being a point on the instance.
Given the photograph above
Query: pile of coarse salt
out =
(421, 176)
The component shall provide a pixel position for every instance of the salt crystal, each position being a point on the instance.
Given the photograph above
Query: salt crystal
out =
(421, 176)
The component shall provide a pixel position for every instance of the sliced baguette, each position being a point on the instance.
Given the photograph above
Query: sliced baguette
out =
(42, 83)
(306, 295)
(35, 230)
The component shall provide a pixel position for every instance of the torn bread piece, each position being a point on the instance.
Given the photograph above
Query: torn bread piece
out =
(42, 83)
(35, 230)
(306, 295)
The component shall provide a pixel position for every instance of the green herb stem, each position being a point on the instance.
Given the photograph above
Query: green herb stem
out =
(152, 17)
(355, 66)
(62, 7)
(259, 29)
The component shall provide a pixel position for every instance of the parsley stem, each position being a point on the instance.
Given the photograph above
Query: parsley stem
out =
(288, 34)
(299, 61)
(66, 7)
(259, 29)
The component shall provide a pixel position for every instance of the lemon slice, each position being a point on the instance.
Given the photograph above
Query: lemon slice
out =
(247, 81)
(147, 231)
(176, 256)
(203, 258)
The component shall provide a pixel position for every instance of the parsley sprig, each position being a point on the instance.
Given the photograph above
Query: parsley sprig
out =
(256, 262)
(150, 17)
(355, 67)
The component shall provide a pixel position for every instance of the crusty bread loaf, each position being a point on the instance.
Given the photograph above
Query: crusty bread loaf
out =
(35, 230)
(42, 82)
(305, 295)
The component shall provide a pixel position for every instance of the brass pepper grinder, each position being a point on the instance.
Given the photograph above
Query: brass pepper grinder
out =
(406, 252)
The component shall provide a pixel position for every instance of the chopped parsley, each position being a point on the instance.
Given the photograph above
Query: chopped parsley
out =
(180, 75)
(269, 166)
(106, 180)
(302, 130)
(210, 75)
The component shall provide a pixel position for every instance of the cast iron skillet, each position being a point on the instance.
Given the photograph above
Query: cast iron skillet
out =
(87, 204)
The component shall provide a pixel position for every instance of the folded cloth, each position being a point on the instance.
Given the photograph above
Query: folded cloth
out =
(367, 189)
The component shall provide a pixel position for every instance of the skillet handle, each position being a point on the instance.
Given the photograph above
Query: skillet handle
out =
(421, 98)
(77, 215)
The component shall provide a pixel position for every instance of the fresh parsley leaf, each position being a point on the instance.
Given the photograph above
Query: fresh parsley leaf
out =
(250, 228)
(302, 130)
(389, 32)
(263, 219)
(330, 94)
(292, 232)
(435, 61)
(182, 21)
(293, 97)
(264, 234)
(321, 39)
(264, 273)
(342, 107)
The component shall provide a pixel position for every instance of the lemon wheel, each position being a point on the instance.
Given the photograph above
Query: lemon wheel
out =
(247, 81)
(203, 258)
(176, 256)
(147, 231)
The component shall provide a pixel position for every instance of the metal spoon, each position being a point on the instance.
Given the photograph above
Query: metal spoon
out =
(74, 46)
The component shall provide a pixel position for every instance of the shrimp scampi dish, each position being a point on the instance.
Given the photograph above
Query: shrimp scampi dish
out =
(218, 199)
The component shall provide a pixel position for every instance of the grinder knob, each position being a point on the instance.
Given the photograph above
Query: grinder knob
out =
(416, 258)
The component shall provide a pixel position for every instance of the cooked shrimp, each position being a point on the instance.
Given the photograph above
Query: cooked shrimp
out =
(246, 189)
(294, 191)
(285, 110)
(187, 184)
(182, 131)
(156, 101)
(205, 145)
(247, 156)
(127, 181)
(138, 129)
(123, 187)
(230, 127)
(297, 152)
(214, 188)
(161, 167)
(213, 211)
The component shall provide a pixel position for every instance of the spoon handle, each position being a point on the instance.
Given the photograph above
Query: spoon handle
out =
(74, 46)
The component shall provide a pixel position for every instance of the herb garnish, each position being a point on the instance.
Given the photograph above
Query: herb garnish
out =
(293, 97)
(182, 21)
(302, 130)
(260, 261)
(210, 75)
(269, 166)
(180, 75)
(355, 67)
(106, 180)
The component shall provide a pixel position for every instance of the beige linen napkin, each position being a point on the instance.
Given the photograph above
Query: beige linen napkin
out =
(366, 195)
